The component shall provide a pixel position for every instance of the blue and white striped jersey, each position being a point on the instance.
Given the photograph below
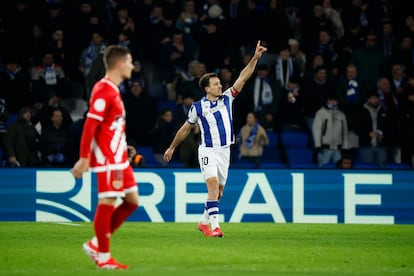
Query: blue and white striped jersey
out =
(215, 120)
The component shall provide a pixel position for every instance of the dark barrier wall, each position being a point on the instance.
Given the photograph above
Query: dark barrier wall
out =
(280, 196)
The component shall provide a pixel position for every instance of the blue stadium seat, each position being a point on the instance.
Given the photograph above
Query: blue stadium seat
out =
(271, 154)
(294, 139)
(149, 158)
(330, 165)
(363, 165)
(273, 138)
(273, 165)
(300, 158)
(242, 164)
(12, 118)
(175, 164)
(398, 166)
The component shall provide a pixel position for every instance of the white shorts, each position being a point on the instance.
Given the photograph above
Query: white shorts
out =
(214, 162)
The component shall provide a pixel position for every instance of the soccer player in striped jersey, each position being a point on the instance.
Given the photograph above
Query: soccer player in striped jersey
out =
(103, 150)
(213, 114)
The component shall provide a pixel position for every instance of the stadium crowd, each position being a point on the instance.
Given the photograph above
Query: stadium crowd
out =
(352, 56)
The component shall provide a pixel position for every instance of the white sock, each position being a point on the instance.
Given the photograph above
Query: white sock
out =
(103, 257)
(213, 213)
(205, 217)
(214, 221)
(94, 241)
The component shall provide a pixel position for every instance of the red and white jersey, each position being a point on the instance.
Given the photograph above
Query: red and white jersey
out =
(108, 147)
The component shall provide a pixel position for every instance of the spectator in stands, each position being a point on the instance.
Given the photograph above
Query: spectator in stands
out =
(188, 18)
(89, 54)
(299, 57)
(334, 16)
(285, 67)
(54, 141)
(141, 114)
(316, 61)
(226, 75)
(52, 16)
(135, 159)
(81, 22)
(407, 27)
(252, 138)
(370, 61)
(122, 22)
(42, 112)
(176, 54)
(47, 77)
(22, 141)
(407, 123)
(315, 93)
(15, 85)
(163, 135)
(188, 82)
(156, 30)
(264, 93)
(351, 41)
(96, 72)
(276, 17)
(241, 29)
(389, 101)
(330, 132)
(346, 162)
(213, 48)
(291, 115)
(409, 85)
(351, 94)
(363, 12)
(404, 52)
(397, 80)
(4, 116)
(327, 48)
(38, 44)
(18, 22)
(172, 9)
(388, 38)
(56, 45)
(373, 129)
(137, 71)
(312, 23)
(136, 74)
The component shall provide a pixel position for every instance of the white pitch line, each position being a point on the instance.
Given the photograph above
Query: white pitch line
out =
(68, 223)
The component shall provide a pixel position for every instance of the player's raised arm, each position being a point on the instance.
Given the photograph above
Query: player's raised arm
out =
(248, 70)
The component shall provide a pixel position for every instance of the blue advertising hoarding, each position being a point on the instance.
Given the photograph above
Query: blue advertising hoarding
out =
(178, 195)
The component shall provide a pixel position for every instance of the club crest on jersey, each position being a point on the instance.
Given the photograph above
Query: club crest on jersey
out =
(117, 184)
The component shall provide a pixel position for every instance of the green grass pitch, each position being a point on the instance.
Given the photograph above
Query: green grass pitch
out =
(41, 248)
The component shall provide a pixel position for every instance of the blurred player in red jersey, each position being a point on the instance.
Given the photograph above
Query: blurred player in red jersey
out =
(103, 150)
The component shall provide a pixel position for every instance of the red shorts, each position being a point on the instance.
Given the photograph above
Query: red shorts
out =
(116, 183)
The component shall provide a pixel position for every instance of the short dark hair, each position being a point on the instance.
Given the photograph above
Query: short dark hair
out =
(319, 68)
(205, 80)
(113, 53)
